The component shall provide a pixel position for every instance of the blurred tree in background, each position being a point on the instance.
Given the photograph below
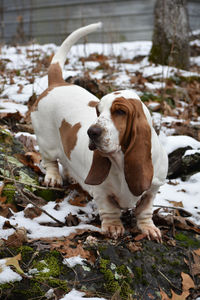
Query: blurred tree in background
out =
(171, 34)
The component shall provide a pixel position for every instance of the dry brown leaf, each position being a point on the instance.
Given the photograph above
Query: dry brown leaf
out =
(69, 247)
(197, 251)
(30, 159)
(32, 212)
(18, 238)
(163, 295)
(176, 204)
(14, 261)
(2, 198)
(72, 220)
(140, 237)
(79, 200)
(187, 283)
(28, 141)
(5, 211)
(133, 247)
(20, 88)
(17, 116)
(194, 265)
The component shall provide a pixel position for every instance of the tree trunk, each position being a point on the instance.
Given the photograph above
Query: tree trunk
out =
(171, 34)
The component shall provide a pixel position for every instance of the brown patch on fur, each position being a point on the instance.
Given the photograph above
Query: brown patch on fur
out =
(68, 135)
(135, 140)
(55, 79)
(55, 76)
(99, 169)
(117, 93)
(93, 103)
(113, 200)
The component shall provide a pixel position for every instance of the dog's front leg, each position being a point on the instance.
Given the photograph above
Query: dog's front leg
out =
(52, 177)
(110, 213)
(143, 212)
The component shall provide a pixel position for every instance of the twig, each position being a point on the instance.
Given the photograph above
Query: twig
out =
(23, 193)
(163, 275)
(32, 185)
(172, 207)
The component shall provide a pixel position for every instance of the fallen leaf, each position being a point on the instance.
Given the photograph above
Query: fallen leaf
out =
(30, 159)
(18, 238)
(140, 237)
(72, 220)
(32, 212)
(28, 141)
(176, 204)
(195, 264)
(163, 295)
(2, 198)
(5, 211)
(7, 225)
(187, 283)
(197, 251)
(133, 247)
(79, 200)
(14, 261)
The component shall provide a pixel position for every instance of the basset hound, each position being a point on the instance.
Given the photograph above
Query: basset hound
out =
(109, 146)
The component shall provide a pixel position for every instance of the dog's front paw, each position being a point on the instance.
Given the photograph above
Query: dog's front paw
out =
(151, 231)
(113, 229)
(53, 179)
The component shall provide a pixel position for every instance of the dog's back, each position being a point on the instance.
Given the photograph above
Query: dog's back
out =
(63, 112)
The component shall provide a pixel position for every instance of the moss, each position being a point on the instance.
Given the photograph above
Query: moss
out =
(138, 273)
(58, 283)
(9, 192)
(118, 279)
(186, 241)
(149, 96)
(5, 137)
(49, 195)
(48, 267)
(26, 253)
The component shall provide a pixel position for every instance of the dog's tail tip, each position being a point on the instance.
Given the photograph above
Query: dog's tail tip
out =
(99, 25)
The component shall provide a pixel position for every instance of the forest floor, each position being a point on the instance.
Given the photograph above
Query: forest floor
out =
(51, 246)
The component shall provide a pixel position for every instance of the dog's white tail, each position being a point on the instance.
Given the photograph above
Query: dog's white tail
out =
(61, 55)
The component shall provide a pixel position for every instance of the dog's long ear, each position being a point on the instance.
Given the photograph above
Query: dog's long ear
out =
(99, 170)
(138, 166)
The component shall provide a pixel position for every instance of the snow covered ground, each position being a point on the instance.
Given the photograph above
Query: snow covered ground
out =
(20, 62)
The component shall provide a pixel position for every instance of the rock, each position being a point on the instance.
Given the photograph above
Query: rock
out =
(181, 165)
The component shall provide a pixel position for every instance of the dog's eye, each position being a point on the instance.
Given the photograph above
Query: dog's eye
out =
(120, 112)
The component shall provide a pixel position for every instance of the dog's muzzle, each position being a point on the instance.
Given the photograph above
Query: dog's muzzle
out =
(94, 133)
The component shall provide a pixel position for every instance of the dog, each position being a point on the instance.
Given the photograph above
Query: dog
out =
(108, 146)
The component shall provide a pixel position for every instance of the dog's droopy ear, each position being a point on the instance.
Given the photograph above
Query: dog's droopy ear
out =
(138, 166)
(99, 170)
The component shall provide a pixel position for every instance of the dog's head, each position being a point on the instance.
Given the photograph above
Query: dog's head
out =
(121, 126)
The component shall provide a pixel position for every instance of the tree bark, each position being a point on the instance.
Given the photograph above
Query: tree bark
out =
(171, 34)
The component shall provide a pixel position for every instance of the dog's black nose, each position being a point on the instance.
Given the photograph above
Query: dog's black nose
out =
(94, 132)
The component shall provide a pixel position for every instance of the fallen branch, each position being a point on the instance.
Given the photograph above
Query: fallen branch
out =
(26, 194)
(32, 185)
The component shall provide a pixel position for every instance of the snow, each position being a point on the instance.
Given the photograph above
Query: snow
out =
(191, 152)
(174, 142)
(186, 192)
(73, 261)
(11, 107)
(13, 99)
(76, 295)
(7, 275)
(37, 230)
